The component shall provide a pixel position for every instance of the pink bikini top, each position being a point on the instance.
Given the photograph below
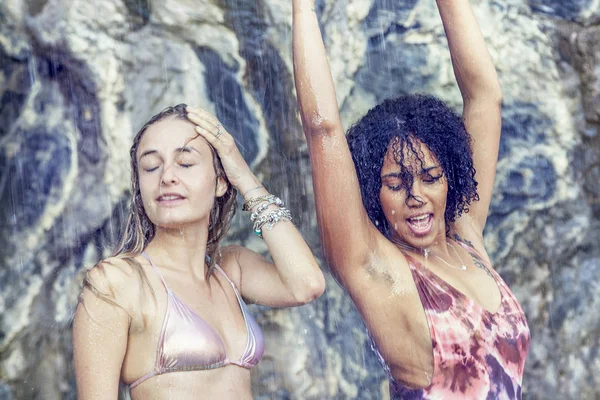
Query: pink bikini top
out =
(188, 343)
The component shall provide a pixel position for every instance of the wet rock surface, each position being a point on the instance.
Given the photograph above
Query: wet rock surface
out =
(77, 80)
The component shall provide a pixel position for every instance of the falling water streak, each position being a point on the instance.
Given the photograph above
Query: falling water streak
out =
(3, 183)
(165, 73)
(31, 69)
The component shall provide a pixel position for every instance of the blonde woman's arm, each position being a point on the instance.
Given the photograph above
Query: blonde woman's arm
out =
(294, 277)
(100, 332)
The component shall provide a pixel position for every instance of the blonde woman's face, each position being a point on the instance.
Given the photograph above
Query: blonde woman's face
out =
(178, 183)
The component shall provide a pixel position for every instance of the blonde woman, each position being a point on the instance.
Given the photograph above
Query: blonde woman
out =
(167, 314)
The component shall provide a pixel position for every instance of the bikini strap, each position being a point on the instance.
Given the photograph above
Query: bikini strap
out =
(229, 280)
(244, 310)
(142, 379)
(147, 257)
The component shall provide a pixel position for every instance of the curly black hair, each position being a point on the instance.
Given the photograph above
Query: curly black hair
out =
(398, 122)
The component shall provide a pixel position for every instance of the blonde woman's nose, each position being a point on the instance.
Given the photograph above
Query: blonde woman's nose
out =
(169, 176)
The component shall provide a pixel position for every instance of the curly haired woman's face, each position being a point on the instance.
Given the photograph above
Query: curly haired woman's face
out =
(176, 174)
(416, 219)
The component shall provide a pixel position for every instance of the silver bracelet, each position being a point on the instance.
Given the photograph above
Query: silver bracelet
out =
(273, 200)
(254, 201)
(270, 219)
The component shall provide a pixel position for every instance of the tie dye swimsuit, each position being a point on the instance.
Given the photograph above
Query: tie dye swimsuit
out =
(477, 354)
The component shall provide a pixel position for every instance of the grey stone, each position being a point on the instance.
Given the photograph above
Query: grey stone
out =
(76, 84)
(571, 10)
(5, 392)
(230, 107)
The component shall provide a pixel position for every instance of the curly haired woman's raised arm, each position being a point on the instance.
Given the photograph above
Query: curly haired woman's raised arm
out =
(482, 97)
(346, 231)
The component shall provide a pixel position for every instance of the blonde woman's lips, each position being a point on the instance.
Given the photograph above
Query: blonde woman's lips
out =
(169, 199)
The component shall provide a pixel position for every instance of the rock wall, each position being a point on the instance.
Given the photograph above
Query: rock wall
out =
(78, 78)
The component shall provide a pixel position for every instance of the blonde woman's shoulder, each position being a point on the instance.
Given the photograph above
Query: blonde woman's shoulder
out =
(119, 281)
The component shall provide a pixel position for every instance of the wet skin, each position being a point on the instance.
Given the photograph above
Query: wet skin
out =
(177, 178)
(416, 219)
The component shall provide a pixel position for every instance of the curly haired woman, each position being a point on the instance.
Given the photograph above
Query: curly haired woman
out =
(402, 202)
(167, 314)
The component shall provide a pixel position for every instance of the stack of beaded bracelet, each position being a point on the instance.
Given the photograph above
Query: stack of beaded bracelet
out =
(263, 217)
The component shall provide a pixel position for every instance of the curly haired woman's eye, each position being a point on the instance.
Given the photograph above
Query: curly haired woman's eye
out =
(432, 179)
(394, 188)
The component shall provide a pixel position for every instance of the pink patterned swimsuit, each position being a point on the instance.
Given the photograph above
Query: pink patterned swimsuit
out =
(477, 354)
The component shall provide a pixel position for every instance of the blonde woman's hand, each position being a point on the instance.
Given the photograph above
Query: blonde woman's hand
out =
(210, 128)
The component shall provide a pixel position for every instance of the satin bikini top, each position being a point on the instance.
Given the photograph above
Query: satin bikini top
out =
(188, 343)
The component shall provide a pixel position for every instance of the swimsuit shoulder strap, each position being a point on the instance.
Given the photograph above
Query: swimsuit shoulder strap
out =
(147, 257)
(237, 293)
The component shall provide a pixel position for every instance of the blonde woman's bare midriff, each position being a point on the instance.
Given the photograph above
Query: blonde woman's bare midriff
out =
(227, 383)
